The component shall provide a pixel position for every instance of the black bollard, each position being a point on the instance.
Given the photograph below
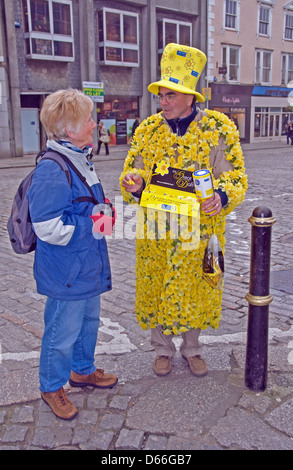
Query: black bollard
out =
(259, 299)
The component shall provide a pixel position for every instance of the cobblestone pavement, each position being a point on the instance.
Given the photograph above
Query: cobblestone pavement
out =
(178, 412)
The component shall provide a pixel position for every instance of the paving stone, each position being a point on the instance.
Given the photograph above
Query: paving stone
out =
(24, 414)
(180, 405)
(44, 437)
(46, 417)
(131, 389)
(255, 401)
(3, 414)
(50, 438)
(282, 418)
(119, 402)
(14, 433)
(100, 440)
(111, 421)
(81, 435)
(95, 402)
(9, 447)
(241, 430)
(87, 417)
(179, 443)
(154, 442)
(129, 439)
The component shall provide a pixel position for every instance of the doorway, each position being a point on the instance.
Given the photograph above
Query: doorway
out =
(30, 130)
(274, 129)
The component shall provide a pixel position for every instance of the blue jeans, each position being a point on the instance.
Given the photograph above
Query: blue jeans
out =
(69, 340)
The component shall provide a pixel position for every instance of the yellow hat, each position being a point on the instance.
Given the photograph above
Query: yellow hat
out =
(181, 67)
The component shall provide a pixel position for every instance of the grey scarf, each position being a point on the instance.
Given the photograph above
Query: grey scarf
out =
(78, 158)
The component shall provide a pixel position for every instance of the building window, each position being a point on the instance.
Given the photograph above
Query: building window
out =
(287, 69)
(263, 68)
(178, 32)
(288, 32)
(118, 38)
(48, 29)
(264, 23)
(230, 19)
(230, 62)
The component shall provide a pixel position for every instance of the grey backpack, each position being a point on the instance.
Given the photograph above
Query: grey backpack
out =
(22, 237)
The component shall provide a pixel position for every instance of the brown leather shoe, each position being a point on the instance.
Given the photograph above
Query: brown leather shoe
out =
(97, 379)
(197, 366)
(162, 365)
(60, 404)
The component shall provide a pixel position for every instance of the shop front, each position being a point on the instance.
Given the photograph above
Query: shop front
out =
(270, 112)
(118, 115)
(234, 101)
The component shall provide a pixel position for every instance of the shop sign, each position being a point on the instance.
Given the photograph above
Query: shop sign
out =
(222, 70)
(231, 100)
(278, 92)
(207, 93)
(237, 110)
(121, 131)
(95, 90)
(226, 96)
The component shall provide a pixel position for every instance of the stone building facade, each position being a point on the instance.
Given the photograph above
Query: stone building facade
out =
(114, 45)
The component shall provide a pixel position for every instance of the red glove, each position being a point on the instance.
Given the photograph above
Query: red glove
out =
(104, 223)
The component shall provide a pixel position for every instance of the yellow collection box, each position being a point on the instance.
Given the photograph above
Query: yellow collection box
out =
(171, 190)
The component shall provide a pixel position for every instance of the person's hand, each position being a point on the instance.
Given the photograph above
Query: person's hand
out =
(132, 183)
(212, 206)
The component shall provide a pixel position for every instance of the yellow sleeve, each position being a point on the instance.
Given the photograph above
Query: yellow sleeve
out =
(230, 176)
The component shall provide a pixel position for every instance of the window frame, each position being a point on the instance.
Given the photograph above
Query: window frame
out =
(285, 72)
(261, 68)
(288, 13)
(178, 23)
(267, 8)
(227, 64)
(50, 36)
(226, 13)
(121, 44)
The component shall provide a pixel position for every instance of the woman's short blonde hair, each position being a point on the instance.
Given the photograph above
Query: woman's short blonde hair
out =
(64, 109)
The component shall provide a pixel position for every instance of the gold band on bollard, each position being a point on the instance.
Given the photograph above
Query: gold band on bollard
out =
(262, 221)
(259, 300)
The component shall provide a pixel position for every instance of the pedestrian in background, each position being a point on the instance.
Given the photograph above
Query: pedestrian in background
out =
(71, 265)
(289, 132)
(135, 125)
(171, 295)
(103, 137)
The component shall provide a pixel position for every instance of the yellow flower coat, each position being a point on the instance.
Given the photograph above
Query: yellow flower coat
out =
(170, 290)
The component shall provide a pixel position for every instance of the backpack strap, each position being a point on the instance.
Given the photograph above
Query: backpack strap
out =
(56, 157)
(82, 178)
(64, 163)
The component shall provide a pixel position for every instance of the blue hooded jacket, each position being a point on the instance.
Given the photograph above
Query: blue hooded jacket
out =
(70, 263)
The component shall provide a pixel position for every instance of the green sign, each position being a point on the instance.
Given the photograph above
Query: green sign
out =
(95, 90)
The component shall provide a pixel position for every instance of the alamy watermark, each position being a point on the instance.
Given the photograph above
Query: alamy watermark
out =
(152, 223)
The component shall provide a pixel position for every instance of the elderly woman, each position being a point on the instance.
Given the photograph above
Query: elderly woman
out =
(71, 263)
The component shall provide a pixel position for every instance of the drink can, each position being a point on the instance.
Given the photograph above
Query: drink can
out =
(203, 184)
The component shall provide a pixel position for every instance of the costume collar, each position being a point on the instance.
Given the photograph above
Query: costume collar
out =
(180, 126)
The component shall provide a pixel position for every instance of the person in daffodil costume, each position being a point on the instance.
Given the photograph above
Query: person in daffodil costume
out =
(172, 298)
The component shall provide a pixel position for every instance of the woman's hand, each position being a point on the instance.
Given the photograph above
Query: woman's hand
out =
(212, 206)
(132, 183)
